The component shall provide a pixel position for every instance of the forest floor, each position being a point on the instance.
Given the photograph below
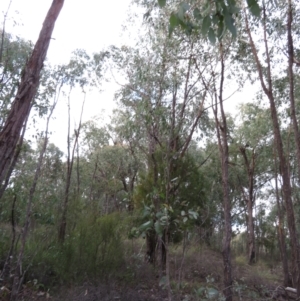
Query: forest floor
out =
(201, 275)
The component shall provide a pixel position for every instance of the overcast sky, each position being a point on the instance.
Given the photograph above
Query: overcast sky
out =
(88, 24)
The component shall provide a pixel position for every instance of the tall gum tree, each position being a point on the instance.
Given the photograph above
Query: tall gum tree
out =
(222, 138)
(21, 106)
(164, 101)
(253, 151)
(266, 81)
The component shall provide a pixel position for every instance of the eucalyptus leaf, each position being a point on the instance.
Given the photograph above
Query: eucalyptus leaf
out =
(158, 228)
(162, 3)
(146, 226)
(205, 25)
(174, 20)
(230, 25)
(212, 293)
(197, 14)
(212, 36)
(163, 281)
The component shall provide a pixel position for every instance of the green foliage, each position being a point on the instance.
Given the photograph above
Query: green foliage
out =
(15, 53)
(209, 292)
(183, 209)
(212, 18)
(93, 250)
(162, 3)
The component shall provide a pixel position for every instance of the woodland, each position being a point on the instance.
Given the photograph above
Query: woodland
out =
(177, 196)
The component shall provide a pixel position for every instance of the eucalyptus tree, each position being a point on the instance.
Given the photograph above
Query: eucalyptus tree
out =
(110, 170)
(253, 138)
(82, 72)
(216, 90)
(267, 73)
(163, 100)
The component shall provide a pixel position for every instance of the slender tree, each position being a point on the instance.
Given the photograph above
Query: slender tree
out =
(10, 133)
(267, 87)
(222, 136)
(18, 276)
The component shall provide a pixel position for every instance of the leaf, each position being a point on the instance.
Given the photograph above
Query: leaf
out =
(254, 7)
(162, 3)
(230, 24)
(171, 29)
(199, 292)
(174, 21)
(158, 228)
(182, 9)
(181, 13)
(205, 25)
(134, 232)
(185, 6)
(146, 226)
(164, 220)
(234, 9)
(163, 281)
(211, 36)
(221, 29)
(197, 14)
(193, 214)
(215, 19)
(212, 293)
(182, 212)
(159, 214)
(185, 219)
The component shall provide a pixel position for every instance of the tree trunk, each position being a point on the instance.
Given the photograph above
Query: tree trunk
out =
(151, 241)
(280, 230)
(10, 133)
(70, 162)
(291, 84)
(222, 131)
(13, 161)
(251, 234)
(249, 200)
(296, 255)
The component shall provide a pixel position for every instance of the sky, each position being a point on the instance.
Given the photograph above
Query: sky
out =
(91, 25)
(88, 24)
